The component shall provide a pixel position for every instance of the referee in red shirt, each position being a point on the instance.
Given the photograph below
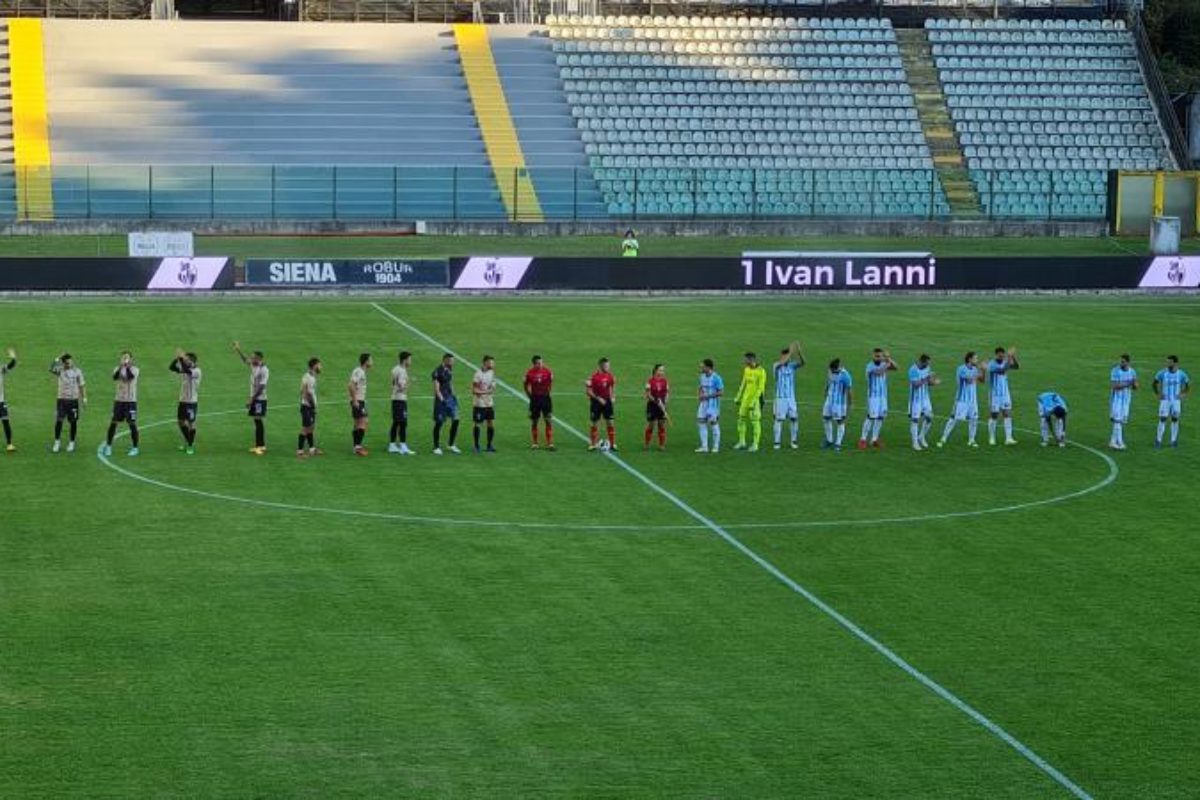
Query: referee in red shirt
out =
(600, 391)
(538, 380)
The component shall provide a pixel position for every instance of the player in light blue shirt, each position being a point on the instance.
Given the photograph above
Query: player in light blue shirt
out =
(838, 396)
(877, 396)
(966, 400)
(790, 360)
(999, 396)
(920, 407)
(1171, 384)
(1052, 411)
(1123, 382)
(708, 413)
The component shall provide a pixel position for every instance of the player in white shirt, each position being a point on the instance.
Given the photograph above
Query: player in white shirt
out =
(398, 437)
(72, 394)
(186, 366)
(306, 445)
(998, 393)
(878, 367)
(1123, 382)
(1171, 384)
(920, 406)
(357, 389)
(125, 404)
(483, 404)
(790, 360)
(6, 368)
(708, 412)
(966, 400)
(256, 406)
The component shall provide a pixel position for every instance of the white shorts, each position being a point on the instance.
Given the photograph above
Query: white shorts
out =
(1001, 403)
(831, 411)
(1169, 408)
(785, 408)
(1119, 411)
(966, 411)
(920, 408)
(708, 412)
(877, 407)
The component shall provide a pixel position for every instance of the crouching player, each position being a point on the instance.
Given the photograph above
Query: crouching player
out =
(708, 414)
(1052, 409)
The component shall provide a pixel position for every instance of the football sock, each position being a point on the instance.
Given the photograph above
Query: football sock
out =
(74, 428)
(1174, 431)
(300, 440)
(549, 433)
(649, 433)
(778, 431)
(868, 423)
(1162, 428)
(992, 428)
(972, 429)
(593, 434)
(7, 431)
(403, 431)
(716, 437)
(926, 424)
(453, 431)
(1008, 427)
(475, 436)
(260, 434)
(841, 433)
(878, 428)
(57, 429)
(703, 429)
(358, 437)
(533, 434)
(756, 430)
(134, 435)
(612, 434)
(741, 432)
(392, 433)
(491, 435)
(1116, 434)
(112, 431)
(914, 429)
(949, 428)
(1045, 430)
(183, 431)
(662, 436)
(312, 445)
(829, 430)
(1060, 430)
(437, 435)
(795, 431)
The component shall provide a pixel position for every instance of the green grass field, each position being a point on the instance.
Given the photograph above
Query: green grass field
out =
(551, 624)
(368, 246)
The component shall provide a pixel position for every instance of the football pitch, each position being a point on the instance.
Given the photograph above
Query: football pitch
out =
(1002, 622)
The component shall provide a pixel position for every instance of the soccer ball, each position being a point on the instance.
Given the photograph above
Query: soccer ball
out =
(603, 445)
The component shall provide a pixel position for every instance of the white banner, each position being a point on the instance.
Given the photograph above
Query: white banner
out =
(155, 244)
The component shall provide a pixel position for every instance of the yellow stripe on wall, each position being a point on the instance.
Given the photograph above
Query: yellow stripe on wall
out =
(31, 129)
(496, 124)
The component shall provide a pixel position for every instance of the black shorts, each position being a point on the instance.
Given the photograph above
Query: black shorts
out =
(308, 416)
(124, 411)
(654, 411)
(540, 405)
(3, 410)
(601, 408)
(479, 415)
(359, 410)
(258, 408)
(67, 409)
(186, 412)
(399, 410)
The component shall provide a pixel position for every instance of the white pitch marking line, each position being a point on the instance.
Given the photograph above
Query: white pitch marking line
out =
(885, 651)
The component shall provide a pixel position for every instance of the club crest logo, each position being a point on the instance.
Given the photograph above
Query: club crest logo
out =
(493, 273)
(1176, 272)
(187, 274)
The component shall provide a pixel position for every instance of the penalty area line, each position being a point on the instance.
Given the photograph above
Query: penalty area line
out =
(845, 622)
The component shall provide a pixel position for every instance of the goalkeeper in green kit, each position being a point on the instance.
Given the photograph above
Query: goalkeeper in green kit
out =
(749, 402)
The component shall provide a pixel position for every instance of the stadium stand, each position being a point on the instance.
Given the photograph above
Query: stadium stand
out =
(707, 116)
(8, 180)
(1044, 108)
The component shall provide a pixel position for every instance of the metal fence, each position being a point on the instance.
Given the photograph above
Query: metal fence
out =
(352, 192)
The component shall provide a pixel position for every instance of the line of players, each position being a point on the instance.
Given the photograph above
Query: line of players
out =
(1171, 385)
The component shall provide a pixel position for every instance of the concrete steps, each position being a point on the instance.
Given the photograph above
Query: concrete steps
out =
(936, 123)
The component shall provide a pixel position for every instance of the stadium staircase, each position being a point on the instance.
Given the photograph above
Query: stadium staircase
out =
(948, 160)
(8, 180)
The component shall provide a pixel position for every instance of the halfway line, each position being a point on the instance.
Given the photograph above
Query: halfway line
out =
(885, 651)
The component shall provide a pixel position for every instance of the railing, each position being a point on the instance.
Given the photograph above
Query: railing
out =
(77, 9)
(1158, 91)
(378, 193)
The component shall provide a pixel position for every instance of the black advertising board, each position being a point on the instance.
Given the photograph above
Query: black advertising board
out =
(382, 273)
(826, 272)
(116, 274)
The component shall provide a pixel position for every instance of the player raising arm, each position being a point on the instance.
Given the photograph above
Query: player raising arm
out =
(966, 400)
(256, 405)
(72, 393)
(1171, 384)
(538, 382)
(1123, 382)
(357, 389)
(749, 400)
(1052, 410)
(878, 367)
(790, 360)
(398, 436)
(125, 403)
(999, 396)
(656, 392)
(920, 405)
(483, 406)
(186, 366)
(600, 389)
(305, 443)
(838, 397)
(6, 368)
(708, 413)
